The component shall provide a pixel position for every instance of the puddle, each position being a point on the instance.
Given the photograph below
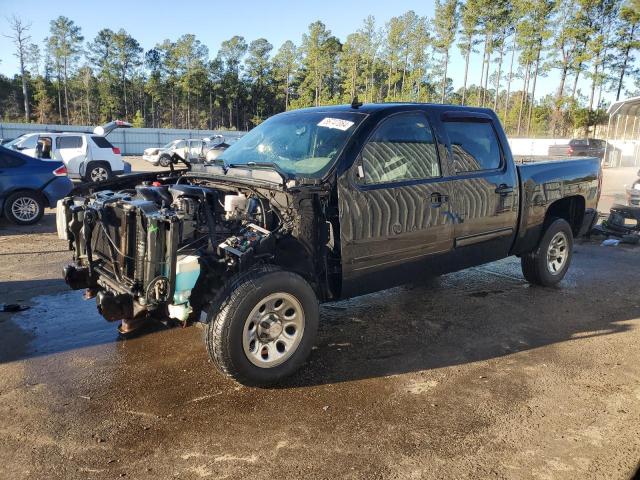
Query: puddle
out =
(54, 323)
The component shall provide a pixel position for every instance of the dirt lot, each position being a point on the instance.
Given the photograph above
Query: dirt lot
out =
(475, 375)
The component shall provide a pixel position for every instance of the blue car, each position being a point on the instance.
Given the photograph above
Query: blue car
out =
(28, 185)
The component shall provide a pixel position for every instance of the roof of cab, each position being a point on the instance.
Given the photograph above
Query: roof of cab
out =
(369, 108)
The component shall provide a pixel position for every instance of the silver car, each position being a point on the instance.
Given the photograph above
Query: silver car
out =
(186, 151)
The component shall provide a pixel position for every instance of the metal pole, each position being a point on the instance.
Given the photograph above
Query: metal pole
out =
(626, 122)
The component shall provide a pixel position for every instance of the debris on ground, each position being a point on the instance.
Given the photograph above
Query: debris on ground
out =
(621, 226)
(12, 307)
(611, 242)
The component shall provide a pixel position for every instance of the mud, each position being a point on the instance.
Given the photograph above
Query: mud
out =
(473, 375)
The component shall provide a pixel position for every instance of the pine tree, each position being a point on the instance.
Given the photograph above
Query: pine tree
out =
(446, 24)
(285, 67)
(65, 44)
(21, 41)
(468, 31)
(627, 40)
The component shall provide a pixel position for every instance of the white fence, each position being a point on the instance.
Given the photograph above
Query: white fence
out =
(131, 141)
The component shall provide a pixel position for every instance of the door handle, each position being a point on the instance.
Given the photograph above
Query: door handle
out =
(504, 189)
(437, 199)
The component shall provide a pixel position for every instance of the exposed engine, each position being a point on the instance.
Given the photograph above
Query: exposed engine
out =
(145, 249)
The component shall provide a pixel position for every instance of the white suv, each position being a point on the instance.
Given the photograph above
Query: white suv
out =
(86, 156)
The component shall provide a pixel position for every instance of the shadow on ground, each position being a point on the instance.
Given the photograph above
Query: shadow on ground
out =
(46, 225)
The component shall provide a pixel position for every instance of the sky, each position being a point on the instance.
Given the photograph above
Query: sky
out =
(213, 21)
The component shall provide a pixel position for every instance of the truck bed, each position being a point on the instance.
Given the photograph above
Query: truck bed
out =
(546, 181)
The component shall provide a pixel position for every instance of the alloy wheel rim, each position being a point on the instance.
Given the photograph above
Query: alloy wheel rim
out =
(99, 174)
(557, 253)
(25, 209)
(273, 330)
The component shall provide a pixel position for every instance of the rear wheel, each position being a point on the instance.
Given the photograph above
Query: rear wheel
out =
(24, 208)
(548, 264)
(98, 172)
(264, 328)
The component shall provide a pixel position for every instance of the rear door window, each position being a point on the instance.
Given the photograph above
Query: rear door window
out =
(68, 142)
(101, 142)
(401, 148)
(474, 146)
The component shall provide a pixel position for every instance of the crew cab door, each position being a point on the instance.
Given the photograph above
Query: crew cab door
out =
(484, 188)
(393, 204)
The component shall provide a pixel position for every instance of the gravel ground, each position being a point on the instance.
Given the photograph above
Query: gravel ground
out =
(474, 375)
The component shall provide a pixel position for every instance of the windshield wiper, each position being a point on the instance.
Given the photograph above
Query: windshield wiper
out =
(286, 175)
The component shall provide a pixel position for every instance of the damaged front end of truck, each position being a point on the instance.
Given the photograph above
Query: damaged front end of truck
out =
(163, 247)
(247, 244)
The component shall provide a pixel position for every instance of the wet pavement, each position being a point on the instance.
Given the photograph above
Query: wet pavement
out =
(472, 375)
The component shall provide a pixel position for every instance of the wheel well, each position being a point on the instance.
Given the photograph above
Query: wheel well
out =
(291, 255)
(571, 209)
(100, 162)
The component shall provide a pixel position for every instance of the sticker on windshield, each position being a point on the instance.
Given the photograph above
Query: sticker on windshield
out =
(338, 123)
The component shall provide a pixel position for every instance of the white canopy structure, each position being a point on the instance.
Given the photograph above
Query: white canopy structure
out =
(623, 131)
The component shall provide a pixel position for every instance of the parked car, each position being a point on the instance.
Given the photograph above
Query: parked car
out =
(217, 145)
(87, 156)
(28, 185)
(315, 205)
(633, 193)
(586, 147)
(186, 151)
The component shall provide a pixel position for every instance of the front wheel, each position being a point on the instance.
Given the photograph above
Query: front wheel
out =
(264, 328)
(24, 208)
(548, 263)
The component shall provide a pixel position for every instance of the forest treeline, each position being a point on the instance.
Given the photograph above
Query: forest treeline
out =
(181, 83)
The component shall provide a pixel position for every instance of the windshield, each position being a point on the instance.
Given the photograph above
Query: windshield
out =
(300, 143)
(579, 143)
(23, 141)
(171, 144)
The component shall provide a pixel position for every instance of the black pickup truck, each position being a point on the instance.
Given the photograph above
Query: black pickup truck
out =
(316, 205)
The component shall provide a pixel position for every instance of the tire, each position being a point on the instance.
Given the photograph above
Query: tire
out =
(98, 172)
(264, 327)
(24, 207)
(164, 161)
(540, 266)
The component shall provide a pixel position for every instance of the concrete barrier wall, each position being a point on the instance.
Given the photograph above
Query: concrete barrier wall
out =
(131, 141)
(538, 147)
